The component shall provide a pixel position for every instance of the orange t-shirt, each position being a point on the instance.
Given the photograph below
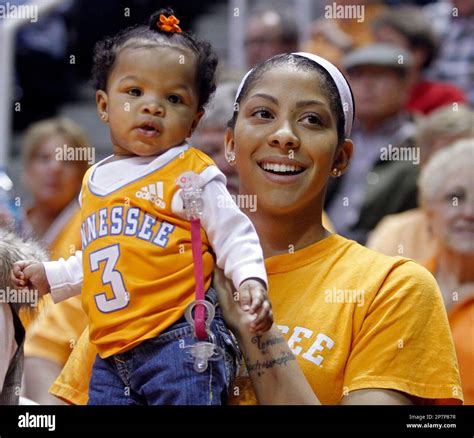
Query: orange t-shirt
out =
(357, 319)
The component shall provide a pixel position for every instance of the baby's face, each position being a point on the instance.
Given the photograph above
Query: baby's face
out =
(151, 100)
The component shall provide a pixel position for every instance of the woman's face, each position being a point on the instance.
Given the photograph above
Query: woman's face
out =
(52, 183)
(285, 140)
(451, 216)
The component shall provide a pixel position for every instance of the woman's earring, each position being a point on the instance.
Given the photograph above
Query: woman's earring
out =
(103, 116)
(336, 172)
(231, 158)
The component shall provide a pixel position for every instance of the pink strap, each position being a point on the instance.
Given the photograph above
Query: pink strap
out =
(199, 310)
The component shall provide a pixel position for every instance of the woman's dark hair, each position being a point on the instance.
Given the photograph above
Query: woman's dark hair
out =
(302, 63)
(107, 51)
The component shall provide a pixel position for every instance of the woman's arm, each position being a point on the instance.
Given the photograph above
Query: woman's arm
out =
(275, 374)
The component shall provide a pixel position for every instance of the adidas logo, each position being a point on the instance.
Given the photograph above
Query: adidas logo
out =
(153, 193)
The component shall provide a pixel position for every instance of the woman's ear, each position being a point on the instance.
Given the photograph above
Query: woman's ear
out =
(343, 156)
(229, 142)
(102, 105)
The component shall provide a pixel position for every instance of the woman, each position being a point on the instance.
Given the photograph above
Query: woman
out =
(358, 322)
(55, 153)
(447, 198)
(365, 328)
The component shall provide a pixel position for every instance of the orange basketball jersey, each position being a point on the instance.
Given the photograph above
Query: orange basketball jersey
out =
(137, 259)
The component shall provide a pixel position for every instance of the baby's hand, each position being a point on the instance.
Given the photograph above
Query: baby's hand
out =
(30, 274)
(253, 298)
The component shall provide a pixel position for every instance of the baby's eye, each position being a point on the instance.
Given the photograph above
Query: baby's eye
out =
(262, 113)
(311, 119)
(174, 98)
(135, 92)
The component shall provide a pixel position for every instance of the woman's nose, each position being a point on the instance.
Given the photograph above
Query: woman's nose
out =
(284, 137)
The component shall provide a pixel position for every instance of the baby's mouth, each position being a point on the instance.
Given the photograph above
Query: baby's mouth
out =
(148, 129)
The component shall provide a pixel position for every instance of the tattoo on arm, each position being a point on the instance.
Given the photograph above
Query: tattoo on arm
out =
(259, 367)
(262, 345)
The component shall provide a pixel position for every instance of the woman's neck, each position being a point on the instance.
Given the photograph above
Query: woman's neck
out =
(287, 233)
(456, 265)
(455, 274)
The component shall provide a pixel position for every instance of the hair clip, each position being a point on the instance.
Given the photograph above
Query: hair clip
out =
(168, 24)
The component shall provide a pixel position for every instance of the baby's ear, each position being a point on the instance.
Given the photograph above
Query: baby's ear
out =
(102, 105)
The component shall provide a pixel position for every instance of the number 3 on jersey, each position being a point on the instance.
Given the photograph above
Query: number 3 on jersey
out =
(110, 256)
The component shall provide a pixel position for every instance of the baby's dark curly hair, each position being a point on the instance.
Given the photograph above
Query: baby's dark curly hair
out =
(107, 51)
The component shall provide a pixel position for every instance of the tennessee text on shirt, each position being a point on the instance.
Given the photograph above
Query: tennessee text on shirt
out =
(126, 221)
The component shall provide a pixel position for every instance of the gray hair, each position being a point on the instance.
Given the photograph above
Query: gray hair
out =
(221, 108)
(14, 248)
(433, 176)
(445, 122)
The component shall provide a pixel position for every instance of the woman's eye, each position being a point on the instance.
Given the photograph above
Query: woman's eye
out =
(135, 92)
(173, 98)
(312, 119)
(262, 114)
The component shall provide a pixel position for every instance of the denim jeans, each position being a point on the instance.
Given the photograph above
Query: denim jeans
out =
(159, 371)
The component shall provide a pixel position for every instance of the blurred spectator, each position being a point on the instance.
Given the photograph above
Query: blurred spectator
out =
(44, 76)
(269, 33)
(54, 181)
(409, 28)
(360, 30)
(328, 41)
(447, 198)
(406, 234)
(453, 21)
(381, 179)
(209, 135)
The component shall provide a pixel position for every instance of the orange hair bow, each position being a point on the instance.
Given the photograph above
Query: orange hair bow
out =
(169, 24)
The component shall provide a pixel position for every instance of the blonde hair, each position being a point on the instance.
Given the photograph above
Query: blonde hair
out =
(441, 165)
(38, 132)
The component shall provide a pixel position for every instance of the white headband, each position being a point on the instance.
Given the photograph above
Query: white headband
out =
(341, 83)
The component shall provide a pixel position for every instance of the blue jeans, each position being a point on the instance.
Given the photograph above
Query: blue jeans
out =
(158, 371)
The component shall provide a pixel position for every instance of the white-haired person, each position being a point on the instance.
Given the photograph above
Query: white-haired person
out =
(406, 234)
(17, 309)
(447, 198)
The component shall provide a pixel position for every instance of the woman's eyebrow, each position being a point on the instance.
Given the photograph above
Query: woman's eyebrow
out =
(266, 96)
(302, 103)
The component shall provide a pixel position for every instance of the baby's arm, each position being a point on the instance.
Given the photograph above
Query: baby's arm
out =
(63, 278)
(236, 244)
